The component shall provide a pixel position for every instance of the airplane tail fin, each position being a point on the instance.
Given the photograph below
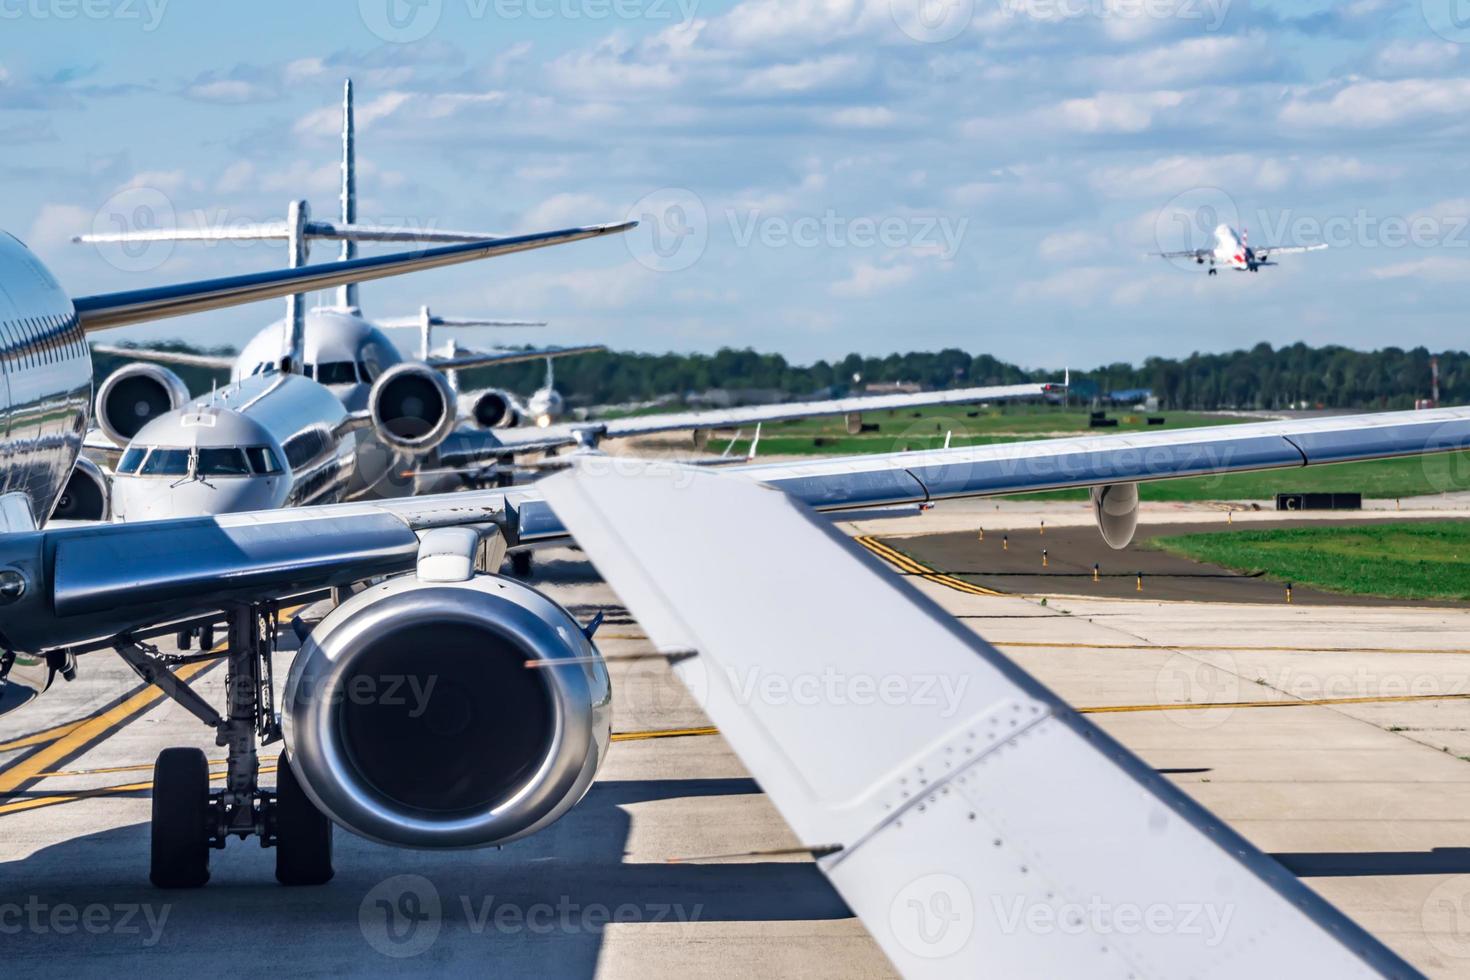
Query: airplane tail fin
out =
(426, 321)
(347, 294)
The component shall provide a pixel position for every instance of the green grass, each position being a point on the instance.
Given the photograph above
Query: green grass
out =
(1411, 560)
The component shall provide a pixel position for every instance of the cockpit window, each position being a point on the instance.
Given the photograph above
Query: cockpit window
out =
(367, 370)
(130, 459)
(263, 460)
(166, 462)
(223, 462)
(336, 373)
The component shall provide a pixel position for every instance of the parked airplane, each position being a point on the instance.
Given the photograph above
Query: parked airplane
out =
(1232, 250)
(340, 348)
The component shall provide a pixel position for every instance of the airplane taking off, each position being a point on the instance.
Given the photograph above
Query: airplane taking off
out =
(1232, 250)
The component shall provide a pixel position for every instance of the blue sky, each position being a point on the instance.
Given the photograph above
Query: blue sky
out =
(816, 176)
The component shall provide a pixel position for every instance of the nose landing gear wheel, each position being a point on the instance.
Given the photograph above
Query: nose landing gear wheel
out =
(303, 834)
(181, 819)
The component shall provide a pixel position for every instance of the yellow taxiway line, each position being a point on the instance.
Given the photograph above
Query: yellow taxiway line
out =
(907, 565)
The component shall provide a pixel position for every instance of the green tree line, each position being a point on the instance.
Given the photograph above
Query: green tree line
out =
(1260, 378)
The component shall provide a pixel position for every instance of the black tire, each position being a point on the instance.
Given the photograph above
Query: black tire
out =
(184, 638)
(181, 814)
(303, 833)
(520, 564)
(206, 638)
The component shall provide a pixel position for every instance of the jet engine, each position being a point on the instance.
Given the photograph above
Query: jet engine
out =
(493, 409)
(437, 715)
(1116, 508)
(412, 408)
(87, 495)
(134, 395)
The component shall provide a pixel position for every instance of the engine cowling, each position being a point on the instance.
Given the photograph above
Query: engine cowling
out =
(412, 408)
(1115, 506)
(493, 409)
(411, 716)
(87, 495)
(134, 395)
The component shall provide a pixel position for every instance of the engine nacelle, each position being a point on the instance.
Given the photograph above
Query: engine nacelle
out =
(87, 495)
(412, 408)
(134, 395)
(1116, 508)
(442, 715)
(493, 409)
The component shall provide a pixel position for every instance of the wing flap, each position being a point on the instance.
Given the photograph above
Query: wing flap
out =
(954, 796)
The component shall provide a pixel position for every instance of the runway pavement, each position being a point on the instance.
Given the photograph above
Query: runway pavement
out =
(1334, 737)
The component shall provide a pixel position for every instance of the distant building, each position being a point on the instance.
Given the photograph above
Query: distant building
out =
(892, 387)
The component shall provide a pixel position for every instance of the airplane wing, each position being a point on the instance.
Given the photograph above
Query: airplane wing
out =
(951, 824)
(489, 358)
(469, 446)
(77, 584)
(217, 362)
(1189, 253)
(1290, 250)
(109, 310)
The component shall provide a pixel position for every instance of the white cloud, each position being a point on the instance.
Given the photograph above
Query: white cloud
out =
(1433, 268)
(867, 279)
(1068, 245)
(864, 117)
(1116, 112)
(1374, 104)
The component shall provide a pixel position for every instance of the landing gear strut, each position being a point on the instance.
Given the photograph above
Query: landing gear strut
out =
(188, 818)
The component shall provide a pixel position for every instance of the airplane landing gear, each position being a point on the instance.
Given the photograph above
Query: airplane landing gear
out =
(188, 818)
(1214, 271)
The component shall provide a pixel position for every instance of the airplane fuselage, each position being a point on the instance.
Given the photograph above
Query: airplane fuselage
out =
(45, 383)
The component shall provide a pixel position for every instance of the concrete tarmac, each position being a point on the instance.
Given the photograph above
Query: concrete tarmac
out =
(1335, 737)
